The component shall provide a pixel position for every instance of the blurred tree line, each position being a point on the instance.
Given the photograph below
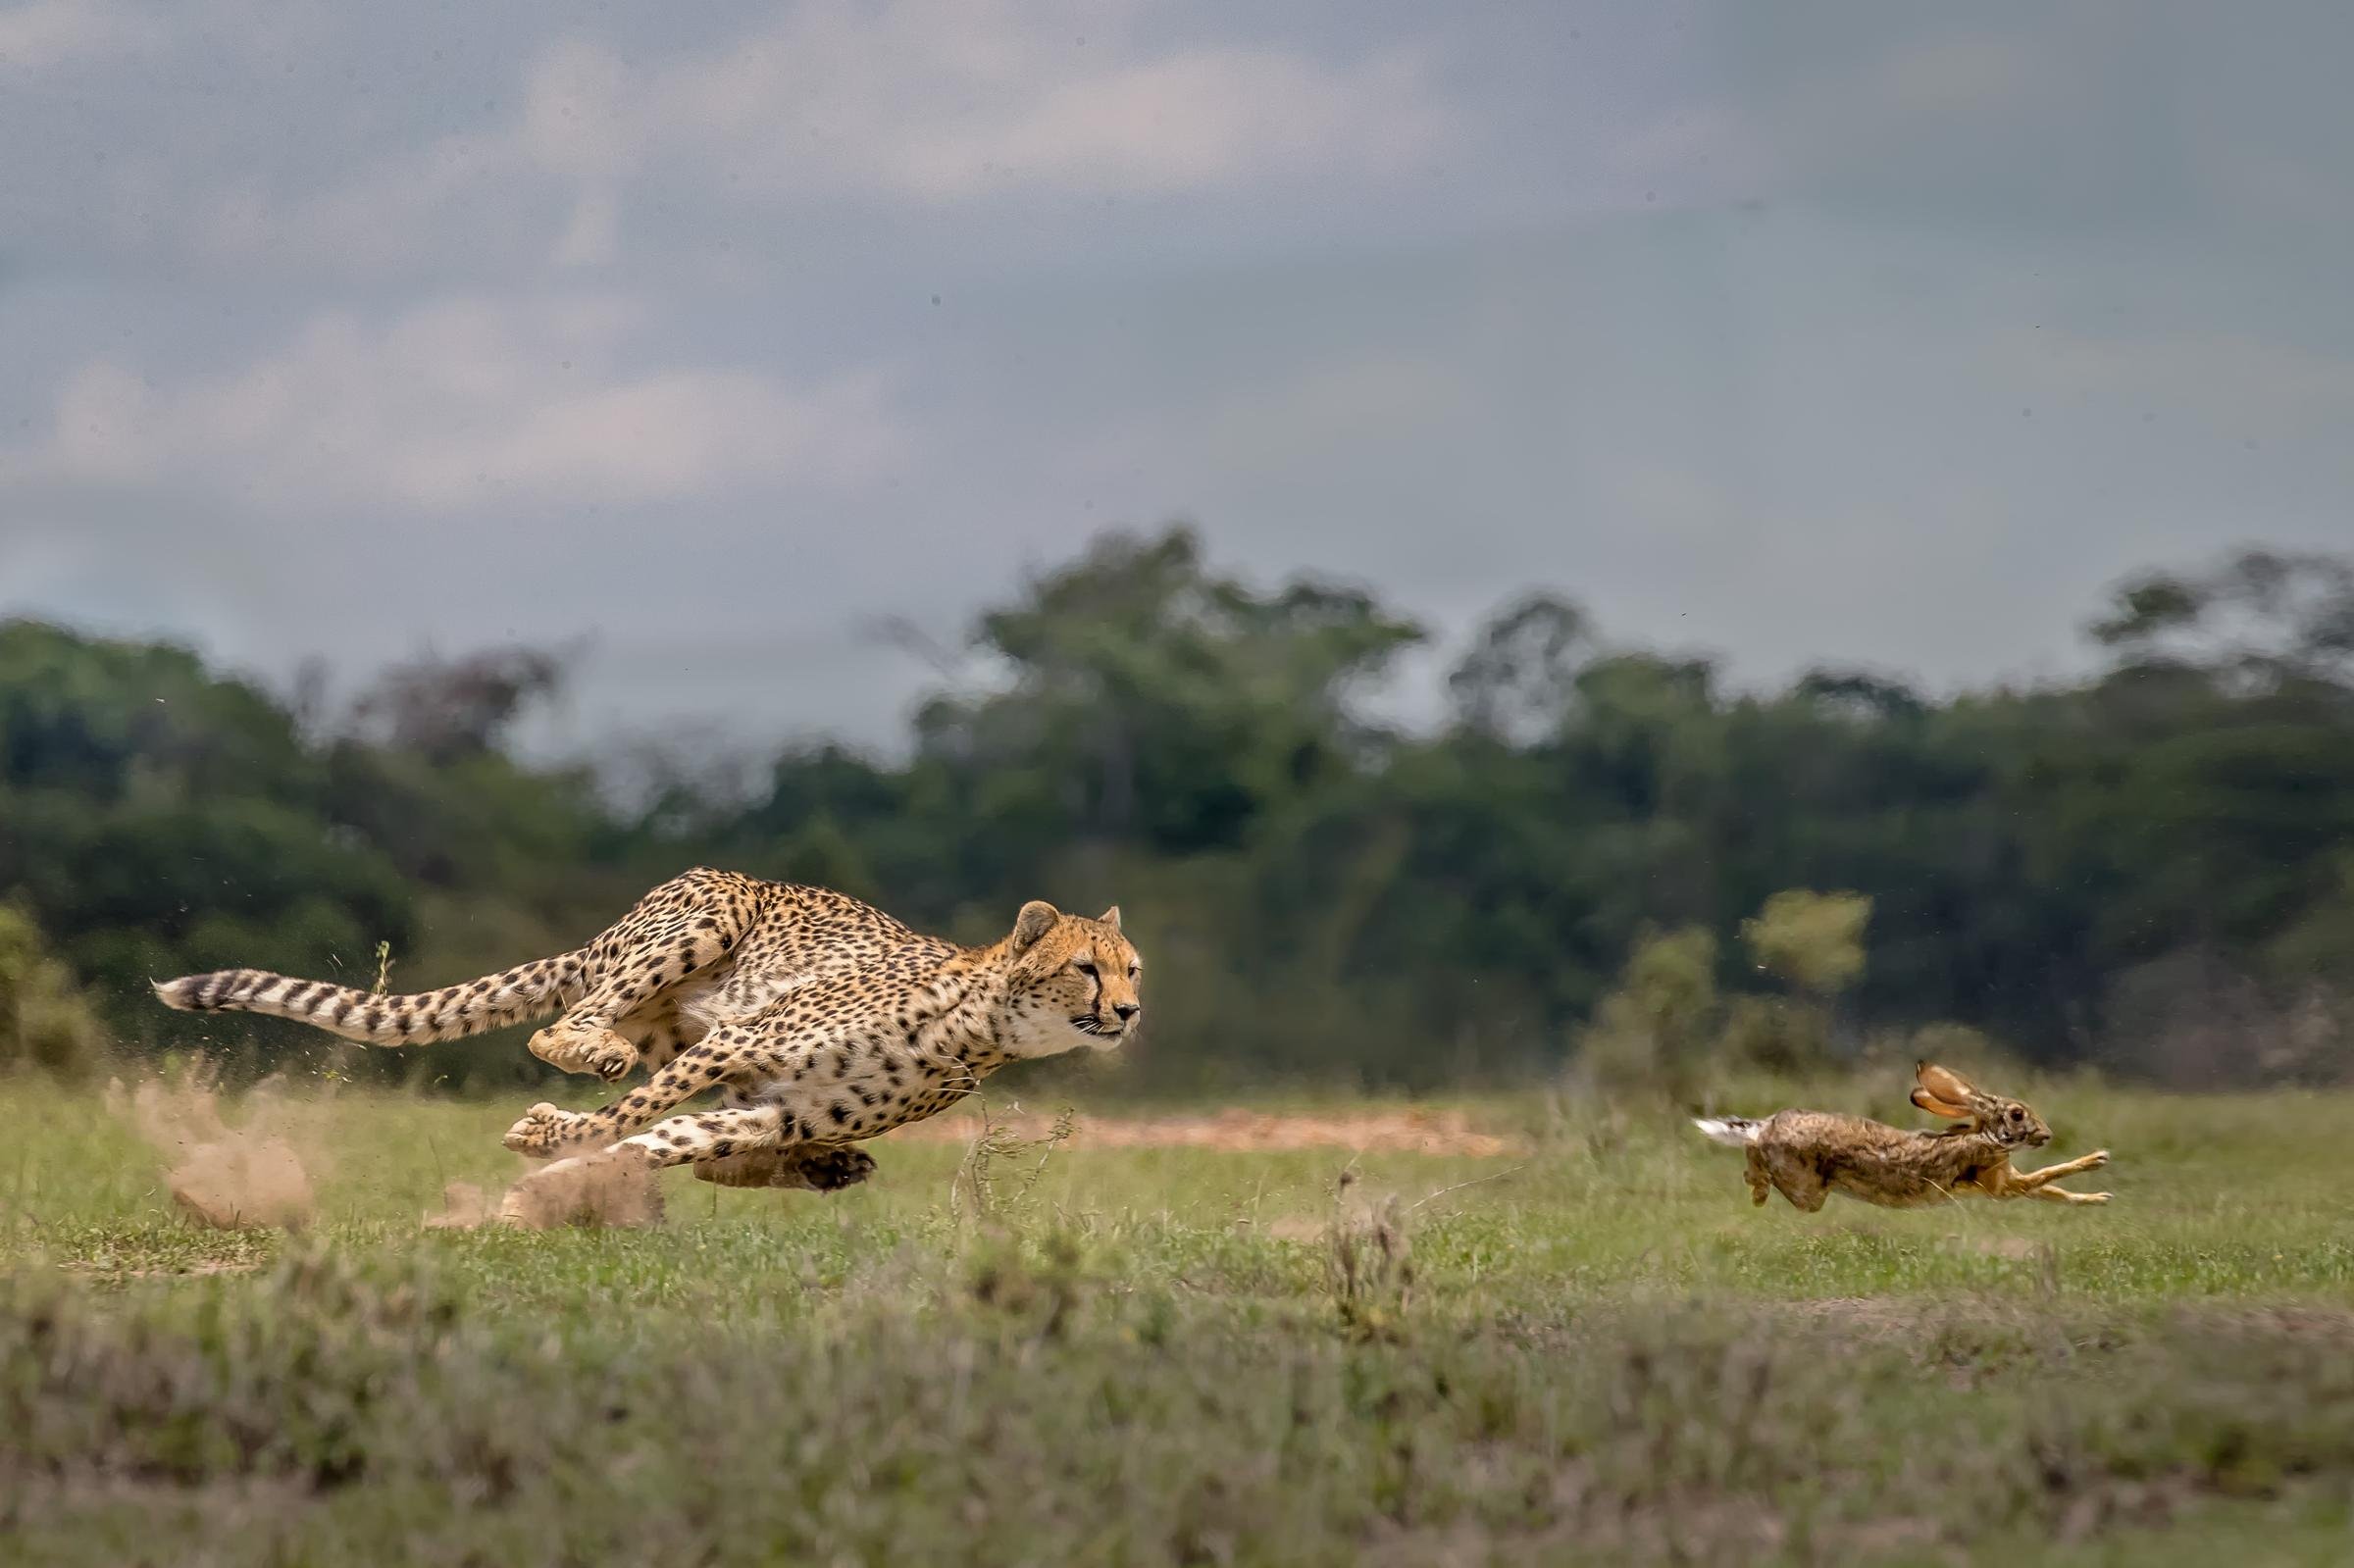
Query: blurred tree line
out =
(2152, 869)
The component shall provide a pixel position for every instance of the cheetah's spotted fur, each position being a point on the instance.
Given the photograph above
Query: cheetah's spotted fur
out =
(820, 1018)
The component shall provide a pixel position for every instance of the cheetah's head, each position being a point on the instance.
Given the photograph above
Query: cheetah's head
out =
(1073, 982)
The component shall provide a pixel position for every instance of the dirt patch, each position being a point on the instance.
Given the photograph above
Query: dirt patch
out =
(1294, 1228)
(1241, 1132)
(227, 1178)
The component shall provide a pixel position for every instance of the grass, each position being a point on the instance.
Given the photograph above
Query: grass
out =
(1598, 1352)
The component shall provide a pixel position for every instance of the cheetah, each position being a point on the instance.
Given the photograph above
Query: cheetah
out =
(820, 1018)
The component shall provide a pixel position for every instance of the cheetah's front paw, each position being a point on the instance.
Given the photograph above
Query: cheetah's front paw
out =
(544, 1130)
(2096, 1160)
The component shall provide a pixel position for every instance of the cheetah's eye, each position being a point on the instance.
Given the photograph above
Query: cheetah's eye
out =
(1135, 970)
(1086, 967)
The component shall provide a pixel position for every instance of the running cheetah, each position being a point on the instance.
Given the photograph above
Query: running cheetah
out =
(821, 1020)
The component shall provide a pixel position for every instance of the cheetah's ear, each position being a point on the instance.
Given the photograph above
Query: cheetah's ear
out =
(1112, 916)
(1036, 917)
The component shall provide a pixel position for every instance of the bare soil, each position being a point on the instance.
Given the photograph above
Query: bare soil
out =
(1238, 1131)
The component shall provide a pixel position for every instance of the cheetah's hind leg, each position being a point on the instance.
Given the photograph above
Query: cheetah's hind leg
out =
(807, 1168)
(572, 1046)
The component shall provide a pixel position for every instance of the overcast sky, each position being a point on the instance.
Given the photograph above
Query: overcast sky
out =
(1876, 333)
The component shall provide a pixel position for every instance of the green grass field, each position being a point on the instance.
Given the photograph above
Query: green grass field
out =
(1603, 1354)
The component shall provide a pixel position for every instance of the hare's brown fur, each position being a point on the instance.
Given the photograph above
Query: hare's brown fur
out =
(1808, 1155)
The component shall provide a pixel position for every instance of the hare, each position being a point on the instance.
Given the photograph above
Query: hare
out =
(1808, 1155)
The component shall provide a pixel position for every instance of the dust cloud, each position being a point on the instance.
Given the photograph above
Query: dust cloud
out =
(614, 1188)
(227, 1177)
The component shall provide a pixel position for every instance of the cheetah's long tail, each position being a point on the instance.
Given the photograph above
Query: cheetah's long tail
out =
(1733, 1131)
(470, 1007)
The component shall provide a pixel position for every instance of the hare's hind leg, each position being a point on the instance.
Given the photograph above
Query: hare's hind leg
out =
(1807, 1195)
(1797, 1180)
(1760, 1185)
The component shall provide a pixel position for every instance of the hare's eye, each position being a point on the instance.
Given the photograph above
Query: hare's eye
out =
(2018, 1115)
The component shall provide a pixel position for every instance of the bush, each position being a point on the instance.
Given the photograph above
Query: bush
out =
(44, 1020)
(1812, 940)
(1657, 1029)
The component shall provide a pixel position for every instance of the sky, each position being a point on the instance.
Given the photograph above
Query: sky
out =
(1882, 334)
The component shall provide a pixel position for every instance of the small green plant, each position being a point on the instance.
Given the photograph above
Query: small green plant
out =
(1031, 1290)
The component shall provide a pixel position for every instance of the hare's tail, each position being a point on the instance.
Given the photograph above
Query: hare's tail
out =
(1733, 1131)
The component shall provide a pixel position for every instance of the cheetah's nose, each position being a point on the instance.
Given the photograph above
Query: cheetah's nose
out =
(1126, 1010)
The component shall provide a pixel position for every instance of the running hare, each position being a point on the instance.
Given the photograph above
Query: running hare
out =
(1808, 1155)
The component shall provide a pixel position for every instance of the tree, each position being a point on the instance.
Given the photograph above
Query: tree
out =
(1149, 696)
(1520, 676)
(446, 710)
(2260, 620)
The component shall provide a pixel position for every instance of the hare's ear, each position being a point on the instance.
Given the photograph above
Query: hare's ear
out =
(1938, 1107)
(1944, 1084)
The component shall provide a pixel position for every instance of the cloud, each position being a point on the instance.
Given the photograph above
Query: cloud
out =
(951, 100)
(460, 405)
(1327, 411)
(929, 103)
(50, 32)
(2230, 383)
(2072, 117)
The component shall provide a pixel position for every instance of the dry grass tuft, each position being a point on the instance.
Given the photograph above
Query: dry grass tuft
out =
(980, 1188)
(1368, 1264)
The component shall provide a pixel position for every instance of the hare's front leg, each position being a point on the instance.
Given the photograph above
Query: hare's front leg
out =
(2038, 1183)
(2030, 1180)
(2061, 1194)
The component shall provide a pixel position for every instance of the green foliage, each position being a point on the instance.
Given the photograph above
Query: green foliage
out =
(1153, 699)
(1775, 1035)
(1812, 941)
(44, 1020)
(1657, 1029)
(2140, 868)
